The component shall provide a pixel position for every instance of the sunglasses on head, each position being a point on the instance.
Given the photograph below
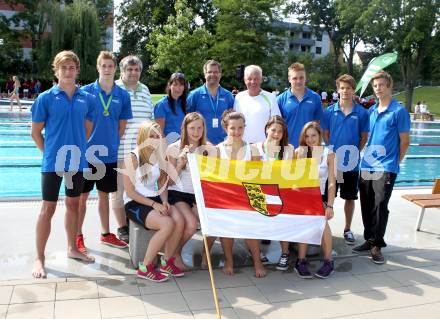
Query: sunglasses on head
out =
(178, 75)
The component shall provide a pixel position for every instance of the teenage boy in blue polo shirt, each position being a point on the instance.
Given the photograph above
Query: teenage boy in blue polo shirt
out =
(211, 100)
(386, 147)
(299, 105)
(345, 126)
(112, 110)
(65, 113)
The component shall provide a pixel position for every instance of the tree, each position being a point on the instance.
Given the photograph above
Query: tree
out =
(10, 49)
(406, 27)
(351, 25)
(322, 15)
(246, 33)
(182, 45)
(138, 19)
(33, 22)
(74, 27)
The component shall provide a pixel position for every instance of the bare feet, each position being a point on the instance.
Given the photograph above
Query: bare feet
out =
(76, 254)
(260, 271)
(178, 261)
(204, 262)
(38, 271)
(228, 268)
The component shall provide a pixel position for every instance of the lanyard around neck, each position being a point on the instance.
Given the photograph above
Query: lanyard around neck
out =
(105, 105)
(214, 108)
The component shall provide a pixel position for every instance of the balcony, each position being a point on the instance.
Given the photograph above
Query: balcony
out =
(308, 42)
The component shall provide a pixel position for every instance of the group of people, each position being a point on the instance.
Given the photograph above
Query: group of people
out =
(421, 111)
(112, 124)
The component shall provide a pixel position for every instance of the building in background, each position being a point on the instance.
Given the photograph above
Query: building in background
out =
(301, 38)
(9, 11)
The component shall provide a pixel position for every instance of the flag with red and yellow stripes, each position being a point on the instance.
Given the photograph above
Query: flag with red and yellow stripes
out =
(277, 200)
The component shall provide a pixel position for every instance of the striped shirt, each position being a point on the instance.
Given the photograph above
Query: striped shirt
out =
(142, 109)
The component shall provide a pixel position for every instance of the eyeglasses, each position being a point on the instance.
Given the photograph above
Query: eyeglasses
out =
(178, 75)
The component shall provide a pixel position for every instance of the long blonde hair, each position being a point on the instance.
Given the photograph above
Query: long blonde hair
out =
(143, 141)
(191, 117)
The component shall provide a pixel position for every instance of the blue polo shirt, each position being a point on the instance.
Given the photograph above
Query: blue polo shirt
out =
(64, 126)
(297, 113)
(345, 130)
(385, 128)
(173, 120)
(106, 128)
(211, 108)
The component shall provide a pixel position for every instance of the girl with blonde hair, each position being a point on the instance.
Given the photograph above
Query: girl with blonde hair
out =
(146, 202)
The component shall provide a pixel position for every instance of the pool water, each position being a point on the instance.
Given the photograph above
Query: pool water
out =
(20, 160)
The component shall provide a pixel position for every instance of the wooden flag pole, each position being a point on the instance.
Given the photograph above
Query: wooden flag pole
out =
(211, 275)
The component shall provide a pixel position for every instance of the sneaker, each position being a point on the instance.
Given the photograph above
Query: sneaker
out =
(169, 268)
(263, 258)
(302, 269)
(80, 244)
(283, 263)
(376, 255)
(112, 240)
(349, 237)
(362, 249)
(149, 273)
(123, 234)
(327, 268)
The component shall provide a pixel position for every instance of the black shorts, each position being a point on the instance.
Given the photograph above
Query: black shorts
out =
(107, 184)
(349, 188)
(176, 196)
(139, 212)
(51, 182)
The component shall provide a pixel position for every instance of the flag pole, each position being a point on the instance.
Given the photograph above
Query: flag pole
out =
(211, 275)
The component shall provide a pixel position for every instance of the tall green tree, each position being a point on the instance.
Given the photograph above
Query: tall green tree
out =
(322, 15)
(182, 45)
(10, 49)
(138, 18)
(245, 33)
(33, 22)
(406, 27)
(351, 25)
(74, 27)
(136, 21)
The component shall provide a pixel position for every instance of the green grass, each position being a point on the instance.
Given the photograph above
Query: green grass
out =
(429, 94)
(156, 97)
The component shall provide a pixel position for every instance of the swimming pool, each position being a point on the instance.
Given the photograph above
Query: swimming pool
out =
(20, 160)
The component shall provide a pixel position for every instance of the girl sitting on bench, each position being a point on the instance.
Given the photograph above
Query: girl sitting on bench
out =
(146, 202)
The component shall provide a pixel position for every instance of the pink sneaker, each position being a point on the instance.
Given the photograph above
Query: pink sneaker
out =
(112, 240)
(80, 244)
(149, 273)
(170, 269)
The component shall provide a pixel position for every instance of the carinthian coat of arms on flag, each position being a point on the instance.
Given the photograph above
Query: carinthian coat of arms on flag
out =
(265, 199)
(277, 200)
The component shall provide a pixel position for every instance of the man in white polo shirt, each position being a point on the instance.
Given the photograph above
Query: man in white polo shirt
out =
(142, 109)
(257, 105)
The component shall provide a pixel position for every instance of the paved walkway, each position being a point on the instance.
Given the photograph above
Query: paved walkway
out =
(407, 286)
